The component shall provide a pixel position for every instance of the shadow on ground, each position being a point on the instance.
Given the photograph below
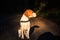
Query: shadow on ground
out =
(44, 36)
(48, 36)
(32, 29)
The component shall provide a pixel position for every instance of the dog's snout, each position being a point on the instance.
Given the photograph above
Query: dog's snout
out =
(34, 14)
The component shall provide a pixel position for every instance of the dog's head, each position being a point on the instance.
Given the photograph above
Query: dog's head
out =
(29, 13)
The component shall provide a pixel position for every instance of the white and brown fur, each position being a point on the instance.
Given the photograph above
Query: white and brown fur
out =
(25, 25)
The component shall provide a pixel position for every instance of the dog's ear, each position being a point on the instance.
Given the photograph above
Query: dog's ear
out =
(26, 14)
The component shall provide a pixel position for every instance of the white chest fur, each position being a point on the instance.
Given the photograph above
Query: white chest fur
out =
(24, 18)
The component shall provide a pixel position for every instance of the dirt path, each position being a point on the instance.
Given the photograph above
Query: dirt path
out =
(10, 27)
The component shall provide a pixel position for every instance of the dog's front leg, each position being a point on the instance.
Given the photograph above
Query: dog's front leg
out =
(22, 33)
(19, 32)
(26, 32)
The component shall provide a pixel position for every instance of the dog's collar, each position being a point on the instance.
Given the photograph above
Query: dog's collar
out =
(24, 21)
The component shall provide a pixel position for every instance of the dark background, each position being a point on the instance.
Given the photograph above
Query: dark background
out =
(12, 6)
(10, 9)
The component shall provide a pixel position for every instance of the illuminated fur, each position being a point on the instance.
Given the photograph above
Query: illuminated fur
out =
(25, 26)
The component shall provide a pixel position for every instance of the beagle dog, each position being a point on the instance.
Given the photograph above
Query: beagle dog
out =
(25, 23)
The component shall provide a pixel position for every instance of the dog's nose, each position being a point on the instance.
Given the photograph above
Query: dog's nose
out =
(34, 15)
